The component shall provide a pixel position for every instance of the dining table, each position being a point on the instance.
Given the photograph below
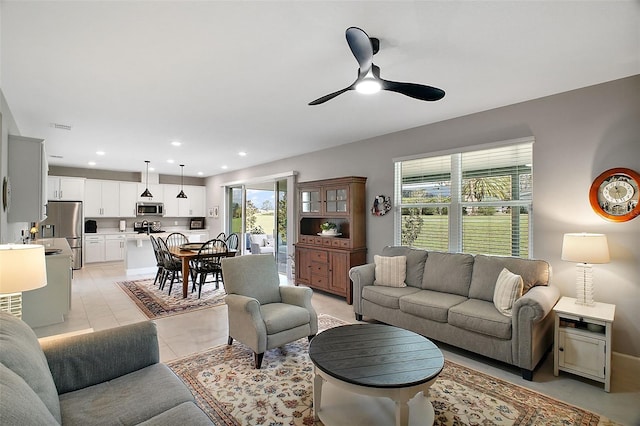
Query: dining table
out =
(185, 254)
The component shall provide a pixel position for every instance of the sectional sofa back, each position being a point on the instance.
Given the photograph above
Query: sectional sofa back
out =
(464, 274)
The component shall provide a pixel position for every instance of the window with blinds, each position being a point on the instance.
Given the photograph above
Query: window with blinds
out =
(473, 201)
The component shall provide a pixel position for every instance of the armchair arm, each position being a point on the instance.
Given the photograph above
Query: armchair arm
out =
(88, 359)
(532, 325)
(300, 296)
(361, 276)
(245, 321)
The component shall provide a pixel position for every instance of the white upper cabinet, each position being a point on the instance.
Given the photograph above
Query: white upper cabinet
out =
(193, 205)
(128, 198)
(101, 198)
(27, 183)
(61, 188)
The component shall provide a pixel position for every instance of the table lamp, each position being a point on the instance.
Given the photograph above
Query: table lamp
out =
(585, 249)
(22, 268)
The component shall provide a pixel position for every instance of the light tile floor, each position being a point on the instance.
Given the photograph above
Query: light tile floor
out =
(98, 303)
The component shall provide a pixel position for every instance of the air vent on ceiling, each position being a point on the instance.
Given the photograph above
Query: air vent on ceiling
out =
(56, 156)
(61, 126)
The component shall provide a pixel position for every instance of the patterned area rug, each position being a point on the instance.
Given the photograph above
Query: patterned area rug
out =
(158, 304)
(231, 392)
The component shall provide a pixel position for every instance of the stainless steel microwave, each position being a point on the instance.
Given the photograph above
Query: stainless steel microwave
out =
(149, 209)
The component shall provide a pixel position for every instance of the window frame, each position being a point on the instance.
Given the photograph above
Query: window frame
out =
(455, 206)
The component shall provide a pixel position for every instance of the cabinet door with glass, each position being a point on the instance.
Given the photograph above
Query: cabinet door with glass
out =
(336, 200)
(310, 201)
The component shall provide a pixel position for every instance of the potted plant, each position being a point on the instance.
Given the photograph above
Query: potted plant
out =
(329, 228)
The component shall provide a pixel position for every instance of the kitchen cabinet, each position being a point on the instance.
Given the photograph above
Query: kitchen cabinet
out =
(61, 188)
(27, 172)
(49, 304)
(128, 198)
(156, 190)
(193, 205)
(323, 262)
(94, 248)
(114, 247)
(101, 198)
(583, 340)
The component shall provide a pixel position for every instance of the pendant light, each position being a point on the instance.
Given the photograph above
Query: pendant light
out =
(147, 193)
(181, 194)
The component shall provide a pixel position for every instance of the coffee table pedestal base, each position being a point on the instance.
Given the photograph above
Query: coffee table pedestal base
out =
(400, 396)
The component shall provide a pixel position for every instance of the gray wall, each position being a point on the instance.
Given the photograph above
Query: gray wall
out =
(578, 135)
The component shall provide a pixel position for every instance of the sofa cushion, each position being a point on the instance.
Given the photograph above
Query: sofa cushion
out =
(508, 289)
(19, 404)
(187, 414)
(386, 296)
(22, 354)
(481, 317)
(487, 268)
(448, 272)
(415, 262)
(432, 305)
(119, 400)
(252, 276)
(390, 271)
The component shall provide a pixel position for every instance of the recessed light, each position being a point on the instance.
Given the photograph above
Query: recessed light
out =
(200, 173)
(224, 167)
(92, 163)
(151, 169)
(100, 152)
(176, 143)
(170, 161)
(242, 154)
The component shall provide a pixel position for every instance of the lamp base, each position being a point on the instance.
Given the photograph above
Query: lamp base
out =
(584, 284)
(12, 304)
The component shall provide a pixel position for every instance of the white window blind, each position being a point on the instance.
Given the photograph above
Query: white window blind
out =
(473, 202)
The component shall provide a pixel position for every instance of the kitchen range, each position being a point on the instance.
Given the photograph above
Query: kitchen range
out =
(148, 227)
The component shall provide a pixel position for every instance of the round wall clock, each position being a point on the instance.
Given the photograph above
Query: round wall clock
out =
(614, 194)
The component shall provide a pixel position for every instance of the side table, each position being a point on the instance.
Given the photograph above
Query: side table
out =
(583, 340)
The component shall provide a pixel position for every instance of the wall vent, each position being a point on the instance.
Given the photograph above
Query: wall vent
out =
(61, 126)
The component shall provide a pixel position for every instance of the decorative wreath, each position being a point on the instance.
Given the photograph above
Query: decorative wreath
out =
(381, 205)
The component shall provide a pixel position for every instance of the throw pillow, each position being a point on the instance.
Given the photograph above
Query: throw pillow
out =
(390, 271)
(508, 289)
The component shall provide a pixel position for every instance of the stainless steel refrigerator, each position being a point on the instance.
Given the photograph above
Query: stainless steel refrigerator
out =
(64, 220)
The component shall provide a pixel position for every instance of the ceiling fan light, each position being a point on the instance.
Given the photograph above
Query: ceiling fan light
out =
(368, 86)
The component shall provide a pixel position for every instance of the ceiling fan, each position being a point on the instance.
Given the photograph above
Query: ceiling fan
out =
(363, 48)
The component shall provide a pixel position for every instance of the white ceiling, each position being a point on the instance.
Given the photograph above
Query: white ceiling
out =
(130, 77)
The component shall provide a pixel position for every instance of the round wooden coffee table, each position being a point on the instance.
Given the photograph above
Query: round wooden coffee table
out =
(375, 360)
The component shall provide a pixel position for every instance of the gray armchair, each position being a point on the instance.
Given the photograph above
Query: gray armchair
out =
(263, 314)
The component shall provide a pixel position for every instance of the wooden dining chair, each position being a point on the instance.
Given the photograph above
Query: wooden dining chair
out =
(208, 262)
(172, 266)
(176, 239)
(232, 241)
(159, 261)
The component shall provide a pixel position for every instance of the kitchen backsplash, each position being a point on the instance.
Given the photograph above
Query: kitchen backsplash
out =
(167, 222)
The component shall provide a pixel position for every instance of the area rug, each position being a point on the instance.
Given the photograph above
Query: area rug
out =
(232, 392)
(158, 304)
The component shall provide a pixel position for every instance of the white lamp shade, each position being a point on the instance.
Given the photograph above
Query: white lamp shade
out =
(585, 248)
(22, 267)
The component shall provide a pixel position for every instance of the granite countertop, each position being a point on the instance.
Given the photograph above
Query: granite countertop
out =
(54, 246)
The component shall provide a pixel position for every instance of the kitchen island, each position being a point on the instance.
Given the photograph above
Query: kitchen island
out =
(140, 259)
(49, 304)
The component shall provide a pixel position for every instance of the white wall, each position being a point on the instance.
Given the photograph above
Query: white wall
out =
(578, 134)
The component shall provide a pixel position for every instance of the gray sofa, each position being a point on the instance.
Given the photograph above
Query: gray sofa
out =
(109, 377)
(449, 298)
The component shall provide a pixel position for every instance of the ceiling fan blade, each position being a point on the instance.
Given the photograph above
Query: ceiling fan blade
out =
(361, 47)
(417, 91)
(330, 96)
